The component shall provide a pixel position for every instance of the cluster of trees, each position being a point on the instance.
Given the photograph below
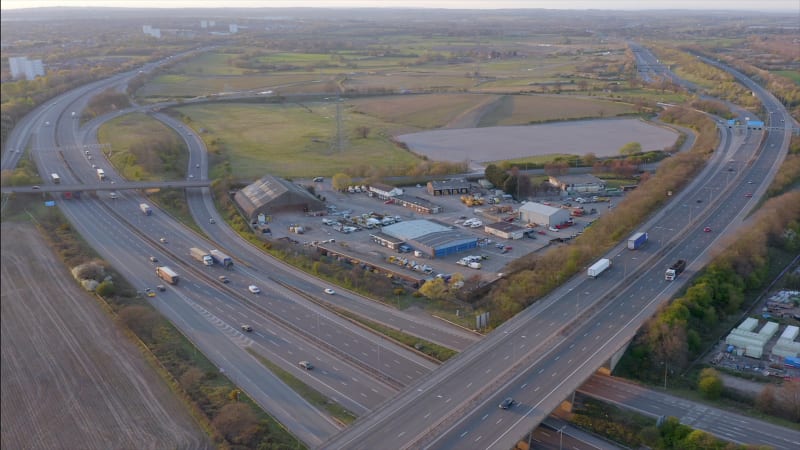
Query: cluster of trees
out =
(105, 102)
(24, 175)
(683, 329)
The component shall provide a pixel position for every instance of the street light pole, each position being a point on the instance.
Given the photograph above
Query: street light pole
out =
(561, 437)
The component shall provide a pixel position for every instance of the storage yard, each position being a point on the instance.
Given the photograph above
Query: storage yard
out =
(401, 233)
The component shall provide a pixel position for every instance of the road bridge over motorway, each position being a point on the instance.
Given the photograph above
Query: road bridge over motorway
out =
(128, 185)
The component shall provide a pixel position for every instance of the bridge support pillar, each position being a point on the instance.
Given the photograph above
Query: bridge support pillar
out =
(609, 366)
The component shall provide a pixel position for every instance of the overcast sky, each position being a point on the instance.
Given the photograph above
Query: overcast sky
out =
(760, 5)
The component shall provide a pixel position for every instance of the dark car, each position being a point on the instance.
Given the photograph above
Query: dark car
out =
(507, 403)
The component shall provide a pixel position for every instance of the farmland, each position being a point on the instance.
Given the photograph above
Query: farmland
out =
(70, 377)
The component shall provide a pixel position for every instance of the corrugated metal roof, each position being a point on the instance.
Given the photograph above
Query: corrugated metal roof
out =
(538, 208)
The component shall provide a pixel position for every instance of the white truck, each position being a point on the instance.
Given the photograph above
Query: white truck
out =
(221, 258)
(202, 256)
(101, 174)
(56, 179)
(145, 209)
(599, 267)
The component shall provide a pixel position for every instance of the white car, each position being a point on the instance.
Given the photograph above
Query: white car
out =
(329, 291)
(254, 289)
(552, 229)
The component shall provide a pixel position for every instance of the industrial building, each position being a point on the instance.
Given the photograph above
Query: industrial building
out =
(432, 239)
(533, 212)
(578, 183)
(384, 191)
(449, 187)
(747, 341)
(787, 346)
(417, 204)
(505, 230)
(270, 195)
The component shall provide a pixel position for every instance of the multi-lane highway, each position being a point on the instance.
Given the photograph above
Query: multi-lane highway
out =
(547, 351)
(353, 366)
(538, 357)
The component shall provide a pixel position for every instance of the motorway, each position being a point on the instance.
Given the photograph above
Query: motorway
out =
(547, 351)
(355, 368)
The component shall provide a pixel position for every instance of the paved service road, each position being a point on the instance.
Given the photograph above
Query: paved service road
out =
(724, 424)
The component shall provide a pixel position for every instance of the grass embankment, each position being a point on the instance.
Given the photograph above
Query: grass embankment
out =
(210, 396)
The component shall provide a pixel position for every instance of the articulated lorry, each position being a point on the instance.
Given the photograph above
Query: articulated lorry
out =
(599, 267)
(145, 208)
(221, 258)
(637, 240)
(675, 270)
(167, 274)
(202, 256)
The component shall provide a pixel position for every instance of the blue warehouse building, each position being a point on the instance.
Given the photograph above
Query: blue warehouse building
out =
(433, 239)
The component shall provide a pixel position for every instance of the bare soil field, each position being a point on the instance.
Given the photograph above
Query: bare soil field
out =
(70, 378)
(602, 137)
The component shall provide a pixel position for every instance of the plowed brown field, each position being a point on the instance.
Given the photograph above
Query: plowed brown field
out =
(70, 378)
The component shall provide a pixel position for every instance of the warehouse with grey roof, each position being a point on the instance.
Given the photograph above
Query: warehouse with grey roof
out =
(431, 238)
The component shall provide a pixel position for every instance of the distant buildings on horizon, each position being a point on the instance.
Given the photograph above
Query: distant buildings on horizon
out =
(21, 66)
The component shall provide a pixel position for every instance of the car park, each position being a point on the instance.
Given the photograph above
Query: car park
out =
(508, 402)
(254, 289)
(329, 291)
(306, 365)
(247, 328)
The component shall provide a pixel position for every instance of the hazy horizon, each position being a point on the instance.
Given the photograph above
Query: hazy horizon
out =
(633, 5)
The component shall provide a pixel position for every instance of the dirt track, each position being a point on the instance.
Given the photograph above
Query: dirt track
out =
(70, 379)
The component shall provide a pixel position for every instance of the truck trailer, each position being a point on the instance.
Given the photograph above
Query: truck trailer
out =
(599, 267)
(637, 240)
(221, 258)
(145, 209)
(101, 174)
(56, 179)
(202, 256)
(675, 270)
(167, 274)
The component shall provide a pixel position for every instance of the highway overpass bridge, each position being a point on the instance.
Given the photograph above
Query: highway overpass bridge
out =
(128, 185)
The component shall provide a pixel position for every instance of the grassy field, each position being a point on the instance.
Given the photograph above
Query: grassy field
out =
(143, 148)
(291, 140)
(418, 111)
(522, 109)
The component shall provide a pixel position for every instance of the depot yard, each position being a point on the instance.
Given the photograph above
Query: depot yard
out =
(361, 245)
